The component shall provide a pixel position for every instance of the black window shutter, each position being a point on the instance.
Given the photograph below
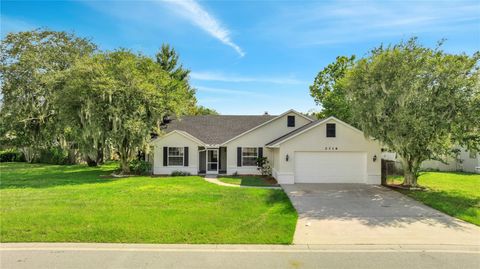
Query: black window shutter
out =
(260, 152)
(165, 153)
(239, 156)
(219, 158)
(185, 156)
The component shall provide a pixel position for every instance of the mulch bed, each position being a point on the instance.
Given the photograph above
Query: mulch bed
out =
(402, 187)
(271, 181)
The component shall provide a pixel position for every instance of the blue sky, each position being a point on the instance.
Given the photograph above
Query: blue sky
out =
(248, 57)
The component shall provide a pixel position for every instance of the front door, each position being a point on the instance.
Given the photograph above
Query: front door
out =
(212, 161)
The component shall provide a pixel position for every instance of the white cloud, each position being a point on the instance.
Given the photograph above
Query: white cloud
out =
(193, 11)
(229, 91)
(319, 23)
(214, 76)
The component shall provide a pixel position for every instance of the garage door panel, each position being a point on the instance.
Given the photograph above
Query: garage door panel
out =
(330, 167)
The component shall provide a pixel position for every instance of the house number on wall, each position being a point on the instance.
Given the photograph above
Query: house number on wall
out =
(331, 148)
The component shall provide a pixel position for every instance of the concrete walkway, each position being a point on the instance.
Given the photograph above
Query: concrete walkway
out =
(85, 255)
(213, 179)
(368, 214)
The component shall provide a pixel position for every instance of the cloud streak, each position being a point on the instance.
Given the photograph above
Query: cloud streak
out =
(213, 76)
(14, 25)
(319, 23)
(193, 11)
(230, 92)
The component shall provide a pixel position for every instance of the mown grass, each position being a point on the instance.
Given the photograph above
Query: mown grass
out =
(247, 181)
(456, 194)
(49, 203)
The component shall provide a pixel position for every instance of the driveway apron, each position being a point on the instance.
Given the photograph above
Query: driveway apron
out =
(371, 214)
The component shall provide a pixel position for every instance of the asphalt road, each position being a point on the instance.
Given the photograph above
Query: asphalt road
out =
(237, 256)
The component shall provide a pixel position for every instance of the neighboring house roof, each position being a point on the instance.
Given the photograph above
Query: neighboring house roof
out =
(216, 129)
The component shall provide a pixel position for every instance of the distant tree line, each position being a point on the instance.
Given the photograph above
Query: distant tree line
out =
(65, 100)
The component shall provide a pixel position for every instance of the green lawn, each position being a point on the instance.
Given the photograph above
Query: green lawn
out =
(48, 203)
(247, 181)
(456, 194)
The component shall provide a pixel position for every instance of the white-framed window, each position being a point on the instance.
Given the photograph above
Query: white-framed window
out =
(249, 156)
(175, 156)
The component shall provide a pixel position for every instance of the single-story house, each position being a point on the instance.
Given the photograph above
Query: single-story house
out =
(298, 148)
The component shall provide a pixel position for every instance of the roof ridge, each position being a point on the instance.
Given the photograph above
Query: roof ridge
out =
(293, 132)
(231, 115)
(216, 129)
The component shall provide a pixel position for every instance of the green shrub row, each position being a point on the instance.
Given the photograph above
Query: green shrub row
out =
(140, 167)
(54, 155)
(11, 155)
(179, 174)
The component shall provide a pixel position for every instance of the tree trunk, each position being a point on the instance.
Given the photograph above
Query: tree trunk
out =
(99, 159)
(410, 179)
(124, 164)
(29, 154)
(90, 161)
(124, 154)
(72, 155)
(409, 174)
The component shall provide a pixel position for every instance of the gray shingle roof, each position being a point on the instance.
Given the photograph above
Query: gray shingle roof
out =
(292, 133)
(216, 129)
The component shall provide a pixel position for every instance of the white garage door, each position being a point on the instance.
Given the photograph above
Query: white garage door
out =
(330, 167)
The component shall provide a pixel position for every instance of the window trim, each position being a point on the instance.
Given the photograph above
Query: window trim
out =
(256, 156)
(288, 120)
(334, 130)
(168, 156)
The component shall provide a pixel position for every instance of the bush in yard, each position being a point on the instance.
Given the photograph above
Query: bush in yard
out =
(11, 155)
(140, 167)
(179, 174)
(55, 155)
(263, 165)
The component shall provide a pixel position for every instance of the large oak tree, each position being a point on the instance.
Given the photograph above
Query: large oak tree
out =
(331, 95)
(31, 66)
(417, 101)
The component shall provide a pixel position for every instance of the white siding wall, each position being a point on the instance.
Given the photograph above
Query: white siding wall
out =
(258, 138)
(470, 164)
(451, 165)
(346, 140)
(175, 140)
(274, 161)
(466, 163)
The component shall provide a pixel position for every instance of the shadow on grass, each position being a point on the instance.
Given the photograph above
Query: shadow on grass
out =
(452, 203)
(250, 181)
(23, 175)
(276, 197)
(256, 181)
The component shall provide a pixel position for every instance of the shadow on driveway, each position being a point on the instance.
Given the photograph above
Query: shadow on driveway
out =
(371, 214)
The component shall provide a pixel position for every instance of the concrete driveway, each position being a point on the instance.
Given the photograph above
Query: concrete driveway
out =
(369, 214)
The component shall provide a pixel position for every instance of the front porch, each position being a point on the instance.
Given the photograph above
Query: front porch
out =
(212, 161)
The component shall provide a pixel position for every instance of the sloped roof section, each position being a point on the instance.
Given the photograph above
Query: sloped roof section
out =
(216, 129)
(292, 133)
